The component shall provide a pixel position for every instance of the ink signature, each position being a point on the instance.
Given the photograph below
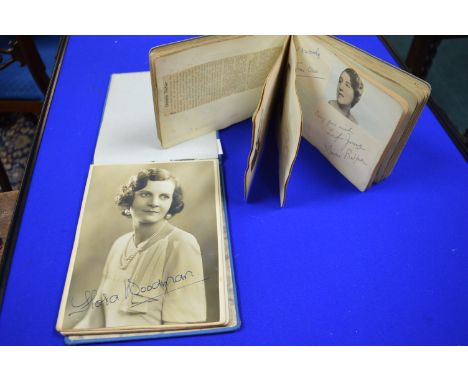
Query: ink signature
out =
(131, 288)
(310, 52)
(341, 143)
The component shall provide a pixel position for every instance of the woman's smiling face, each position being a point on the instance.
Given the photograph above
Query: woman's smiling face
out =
(344, 91)
(152, 203)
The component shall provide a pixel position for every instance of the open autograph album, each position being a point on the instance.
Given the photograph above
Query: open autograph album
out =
(357, 110)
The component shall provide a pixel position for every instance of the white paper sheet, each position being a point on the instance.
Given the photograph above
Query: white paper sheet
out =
(128, 127)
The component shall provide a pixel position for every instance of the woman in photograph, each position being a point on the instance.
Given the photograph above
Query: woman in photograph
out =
(348, 93)
(154, 274)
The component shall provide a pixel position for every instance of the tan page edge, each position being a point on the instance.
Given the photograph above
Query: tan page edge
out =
(290, 128)
(262, 117)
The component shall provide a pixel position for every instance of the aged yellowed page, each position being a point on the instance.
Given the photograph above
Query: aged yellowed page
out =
(261, 120)
(289, 133)
(347, 117)
(210, 86)
(411, 92)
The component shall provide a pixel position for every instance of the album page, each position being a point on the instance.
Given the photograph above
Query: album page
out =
(209, 83)
(270, 101)
(290, 127)
(348, 115)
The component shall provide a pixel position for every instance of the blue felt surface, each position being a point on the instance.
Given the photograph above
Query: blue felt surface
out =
(334, 266)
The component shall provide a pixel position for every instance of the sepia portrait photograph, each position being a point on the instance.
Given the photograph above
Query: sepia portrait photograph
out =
(148, 251)
(348, 93)
(354, 99)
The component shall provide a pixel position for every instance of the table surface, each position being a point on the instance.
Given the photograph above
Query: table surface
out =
(333, 267)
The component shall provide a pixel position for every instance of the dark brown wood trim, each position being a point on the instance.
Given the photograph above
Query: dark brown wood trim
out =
(20, 106)
(449, 127)
(12, 236)
(33, 60)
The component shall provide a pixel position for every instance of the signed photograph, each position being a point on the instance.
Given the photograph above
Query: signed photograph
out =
(362, 102)
(149, 251)
(348, 115)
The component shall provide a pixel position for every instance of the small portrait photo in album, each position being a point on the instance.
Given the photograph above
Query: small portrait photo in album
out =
(148, 252)
(348, 93)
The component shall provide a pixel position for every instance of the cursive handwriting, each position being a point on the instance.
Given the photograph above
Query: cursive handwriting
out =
(328, 123)
(131, 288)
(305, 70)
(344, 139)
(354, 157)
(341, 142)
(310, 52)
(90, 302)
(156, 298)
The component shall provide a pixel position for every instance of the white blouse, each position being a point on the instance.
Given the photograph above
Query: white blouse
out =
(156, 282)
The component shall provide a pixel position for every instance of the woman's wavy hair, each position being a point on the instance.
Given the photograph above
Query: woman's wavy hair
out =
(356, 84)
(139, 181)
